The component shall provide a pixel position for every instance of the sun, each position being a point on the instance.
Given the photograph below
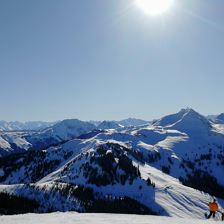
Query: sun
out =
(154, 7)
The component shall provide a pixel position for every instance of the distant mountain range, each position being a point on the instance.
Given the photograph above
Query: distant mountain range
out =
(39, 125)
(19, 137)
(125, 123)
(22, 126)
(217, 118)
(164, 167)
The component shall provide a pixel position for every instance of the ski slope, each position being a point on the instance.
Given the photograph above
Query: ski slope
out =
(71, 218)
(176, 199)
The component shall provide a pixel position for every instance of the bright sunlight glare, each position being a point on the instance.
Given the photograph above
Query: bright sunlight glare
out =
(154, 7)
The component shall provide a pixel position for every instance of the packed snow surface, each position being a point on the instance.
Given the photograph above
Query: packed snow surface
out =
(71, 218)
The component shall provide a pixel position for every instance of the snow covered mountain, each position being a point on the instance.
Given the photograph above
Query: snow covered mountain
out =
(221, 117)
(13, 142)
(60, 132)
(187, 121)
(124, 123)
(26, 126)
(218, 119)
(109, 125)
(165, 168)
(132, 122)
(16, 142)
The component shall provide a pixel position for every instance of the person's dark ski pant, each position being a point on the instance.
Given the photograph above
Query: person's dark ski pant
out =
(211, 214)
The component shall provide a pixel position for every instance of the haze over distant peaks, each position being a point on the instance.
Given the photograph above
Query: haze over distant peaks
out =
(18, 126)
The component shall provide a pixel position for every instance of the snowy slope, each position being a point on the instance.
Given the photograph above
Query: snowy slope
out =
(203, 146)
(177, 200)
(169, 197)
(71, 218)
(13, 142)
(187, 120)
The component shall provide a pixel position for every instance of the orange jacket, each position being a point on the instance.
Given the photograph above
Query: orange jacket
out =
(213, 206)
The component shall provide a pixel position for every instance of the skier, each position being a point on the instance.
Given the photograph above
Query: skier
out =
(213, 207)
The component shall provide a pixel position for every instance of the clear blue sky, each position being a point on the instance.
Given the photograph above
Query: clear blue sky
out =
(105, 59)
